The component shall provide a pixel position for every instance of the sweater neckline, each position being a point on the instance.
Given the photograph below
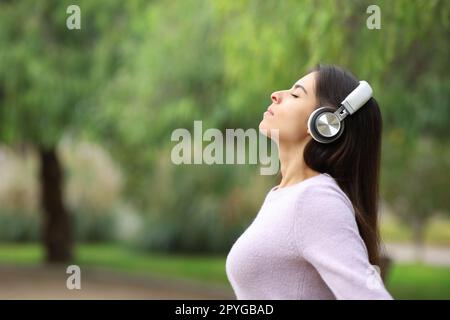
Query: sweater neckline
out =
(277, 191)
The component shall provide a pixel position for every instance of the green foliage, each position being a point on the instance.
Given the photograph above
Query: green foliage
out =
(47, 72)
(19, 227)
(138, 70)
(203, 211)
(92, 227)
(88, 226)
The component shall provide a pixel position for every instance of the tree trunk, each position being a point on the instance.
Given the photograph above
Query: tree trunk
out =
(57, 233)
(419, 238)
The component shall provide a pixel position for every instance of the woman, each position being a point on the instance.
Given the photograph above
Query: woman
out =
(316, 234)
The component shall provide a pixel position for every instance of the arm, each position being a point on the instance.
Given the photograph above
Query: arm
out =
(327, 236)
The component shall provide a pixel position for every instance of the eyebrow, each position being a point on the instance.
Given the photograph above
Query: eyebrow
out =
(301, 87)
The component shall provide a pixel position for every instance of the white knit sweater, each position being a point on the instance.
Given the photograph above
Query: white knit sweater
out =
(304, 244)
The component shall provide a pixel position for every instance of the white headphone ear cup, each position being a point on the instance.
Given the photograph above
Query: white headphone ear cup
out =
(312, 126)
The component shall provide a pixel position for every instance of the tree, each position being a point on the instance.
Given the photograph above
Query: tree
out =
(48, 73)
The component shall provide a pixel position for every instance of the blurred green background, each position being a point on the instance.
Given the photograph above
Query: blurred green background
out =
(86, 118)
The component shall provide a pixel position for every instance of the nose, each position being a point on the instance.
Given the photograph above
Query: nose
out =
(276, 98)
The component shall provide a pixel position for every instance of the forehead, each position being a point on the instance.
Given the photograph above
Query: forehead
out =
(307, 81)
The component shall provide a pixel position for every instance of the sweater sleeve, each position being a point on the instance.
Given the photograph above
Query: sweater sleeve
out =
(327, 236)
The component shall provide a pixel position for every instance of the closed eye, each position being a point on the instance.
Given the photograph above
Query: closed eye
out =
(294, 95)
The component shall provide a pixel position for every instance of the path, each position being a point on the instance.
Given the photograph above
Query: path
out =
(41, 282)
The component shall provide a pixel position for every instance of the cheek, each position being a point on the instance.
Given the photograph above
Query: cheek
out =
(293, 124)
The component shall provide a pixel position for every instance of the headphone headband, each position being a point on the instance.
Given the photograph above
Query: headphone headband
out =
(358, 97)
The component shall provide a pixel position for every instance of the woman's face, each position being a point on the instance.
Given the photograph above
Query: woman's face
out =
(290, 110)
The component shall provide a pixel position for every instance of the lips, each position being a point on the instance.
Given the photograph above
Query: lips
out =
(270, 111)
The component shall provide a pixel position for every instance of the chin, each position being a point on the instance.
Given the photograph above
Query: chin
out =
(265, 129)
(263, 126)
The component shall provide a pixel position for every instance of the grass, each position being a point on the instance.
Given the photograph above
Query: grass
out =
(418, 281)
(197, 267)
(116, 257)
(405, 281)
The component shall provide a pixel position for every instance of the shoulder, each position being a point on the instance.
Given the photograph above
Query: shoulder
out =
(323, 201)
(324, 217)
(322, 192)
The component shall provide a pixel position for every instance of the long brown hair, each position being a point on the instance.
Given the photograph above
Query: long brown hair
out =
(353, 160)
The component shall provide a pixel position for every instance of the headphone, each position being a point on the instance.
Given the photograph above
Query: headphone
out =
(326, 124)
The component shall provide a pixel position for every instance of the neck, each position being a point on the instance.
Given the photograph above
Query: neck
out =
(293, 167)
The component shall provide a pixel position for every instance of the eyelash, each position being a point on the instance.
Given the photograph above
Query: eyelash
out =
(295, 96)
